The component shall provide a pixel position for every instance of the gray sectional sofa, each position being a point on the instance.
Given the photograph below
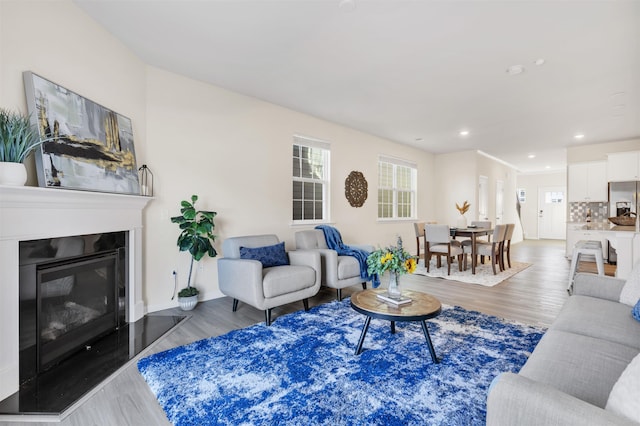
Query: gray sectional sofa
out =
(570, 374)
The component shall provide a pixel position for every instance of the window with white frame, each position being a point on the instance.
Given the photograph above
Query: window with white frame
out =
(397, 188)
(310, 180)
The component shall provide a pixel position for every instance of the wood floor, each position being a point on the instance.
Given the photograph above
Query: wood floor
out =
(533, 296)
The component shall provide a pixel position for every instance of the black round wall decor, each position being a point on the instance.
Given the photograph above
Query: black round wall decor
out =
(355, 189)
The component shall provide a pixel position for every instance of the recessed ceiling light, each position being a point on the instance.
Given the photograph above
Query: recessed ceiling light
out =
(515, 70)
(578, 136)
(531, 156)
(539, 62)
(464, 133)
(547, 167)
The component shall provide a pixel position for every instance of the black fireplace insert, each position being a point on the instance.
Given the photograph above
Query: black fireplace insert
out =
(72, 292)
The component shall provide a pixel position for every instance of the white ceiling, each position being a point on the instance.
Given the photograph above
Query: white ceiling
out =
(415, 72)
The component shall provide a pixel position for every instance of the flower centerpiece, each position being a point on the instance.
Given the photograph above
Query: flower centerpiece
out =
(395, 260)
(462, 222)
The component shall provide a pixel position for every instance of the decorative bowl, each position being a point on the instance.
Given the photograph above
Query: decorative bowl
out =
(623, 220)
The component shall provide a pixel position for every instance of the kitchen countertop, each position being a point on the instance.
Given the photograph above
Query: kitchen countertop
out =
(599, 226)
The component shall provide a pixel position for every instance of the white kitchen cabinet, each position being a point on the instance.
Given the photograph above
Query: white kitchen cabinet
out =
(588, 182)
(623, 166)
(574, 235)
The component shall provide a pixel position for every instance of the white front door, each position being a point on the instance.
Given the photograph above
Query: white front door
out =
(552, 212)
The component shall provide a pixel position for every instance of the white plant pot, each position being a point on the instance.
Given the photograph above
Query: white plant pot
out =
(13, 174)
(188, 303)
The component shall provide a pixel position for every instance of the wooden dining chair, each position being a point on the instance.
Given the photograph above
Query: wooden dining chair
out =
(418, 228)
(506, 245)
(466, 244)
(492, 249)
(438, 241)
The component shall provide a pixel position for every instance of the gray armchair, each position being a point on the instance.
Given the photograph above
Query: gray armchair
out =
(337, 271)
(267, 287)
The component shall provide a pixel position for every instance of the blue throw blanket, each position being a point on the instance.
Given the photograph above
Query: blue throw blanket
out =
(334, 242)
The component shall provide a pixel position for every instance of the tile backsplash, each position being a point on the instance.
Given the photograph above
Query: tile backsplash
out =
(578, 212)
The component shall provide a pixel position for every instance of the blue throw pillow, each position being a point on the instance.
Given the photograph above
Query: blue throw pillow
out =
(636, 311)
(269, 256)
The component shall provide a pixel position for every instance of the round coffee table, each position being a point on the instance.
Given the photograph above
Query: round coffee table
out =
(421, 308)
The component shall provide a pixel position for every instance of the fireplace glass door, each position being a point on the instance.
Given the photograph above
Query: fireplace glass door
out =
(76, 304)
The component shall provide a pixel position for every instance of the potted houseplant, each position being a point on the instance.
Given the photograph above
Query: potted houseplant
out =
(18, 137)
(462, 221)
(196, 237)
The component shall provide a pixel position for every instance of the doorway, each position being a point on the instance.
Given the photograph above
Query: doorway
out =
(552, 212)
(499, 201)
(483, 198)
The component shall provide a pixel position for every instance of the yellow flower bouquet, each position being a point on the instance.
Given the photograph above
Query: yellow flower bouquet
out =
(393, 258)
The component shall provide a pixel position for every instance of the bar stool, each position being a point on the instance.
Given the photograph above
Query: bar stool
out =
(589, 248)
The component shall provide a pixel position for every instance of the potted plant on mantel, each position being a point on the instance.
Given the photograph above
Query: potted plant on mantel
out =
(18, 137)
(196, 237)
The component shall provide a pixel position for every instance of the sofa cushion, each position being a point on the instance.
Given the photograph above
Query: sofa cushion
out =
(625, 395)
(599, 318)
(630, 293)
(269, 256)
(582, 366)
(348, 267)
(280, 280)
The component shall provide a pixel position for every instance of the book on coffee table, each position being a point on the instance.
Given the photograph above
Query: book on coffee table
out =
(403, 299)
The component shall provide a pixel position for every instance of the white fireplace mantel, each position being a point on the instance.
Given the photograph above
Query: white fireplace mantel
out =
(32, 213)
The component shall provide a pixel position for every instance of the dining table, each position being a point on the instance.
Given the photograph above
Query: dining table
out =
(472, 233)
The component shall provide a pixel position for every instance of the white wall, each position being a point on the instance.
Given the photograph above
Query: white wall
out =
(456, 181)
(233, 151)
(58, 41)
(599, 151)
(529, 209)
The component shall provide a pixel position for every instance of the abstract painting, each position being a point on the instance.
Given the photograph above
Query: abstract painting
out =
(88, 147)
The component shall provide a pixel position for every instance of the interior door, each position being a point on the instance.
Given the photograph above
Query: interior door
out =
(551, 212)
(499, 201)
(483, 198)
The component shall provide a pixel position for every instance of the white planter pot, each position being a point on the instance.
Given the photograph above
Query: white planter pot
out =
(188, 303)
(13, 174)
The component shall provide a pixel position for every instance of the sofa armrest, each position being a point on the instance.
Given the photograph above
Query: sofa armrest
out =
(241, 279)
(307, 258)
(599, 286)
(516, 400)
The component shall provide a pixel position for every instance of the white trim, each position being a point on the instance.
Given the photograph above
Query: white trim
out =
(498, 160)
(312, 142)
(32, 213)
(326, 178)
(396, 161)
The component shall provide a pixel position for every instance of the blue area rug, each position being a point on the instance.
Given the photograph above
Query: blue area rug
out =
(302, 371)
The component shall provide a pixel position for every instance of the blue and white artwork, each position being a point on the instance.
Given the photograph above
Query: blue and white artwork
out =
(87, 147)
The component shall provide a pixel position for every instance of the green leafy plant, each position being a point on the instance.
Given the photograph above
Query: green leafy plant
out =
(18, 137)
(196, 237)
(393, 258)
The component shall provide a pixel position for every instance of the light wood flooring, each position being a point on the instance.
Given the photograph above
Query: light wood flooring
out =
(533, 296)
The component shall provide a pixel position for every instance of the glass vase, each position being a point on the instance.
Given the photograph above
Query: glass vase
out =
(393, 290)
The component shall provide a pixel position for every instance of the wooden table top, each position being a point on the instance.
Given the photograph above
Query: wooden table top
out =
(422, 306)
(467, 232)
